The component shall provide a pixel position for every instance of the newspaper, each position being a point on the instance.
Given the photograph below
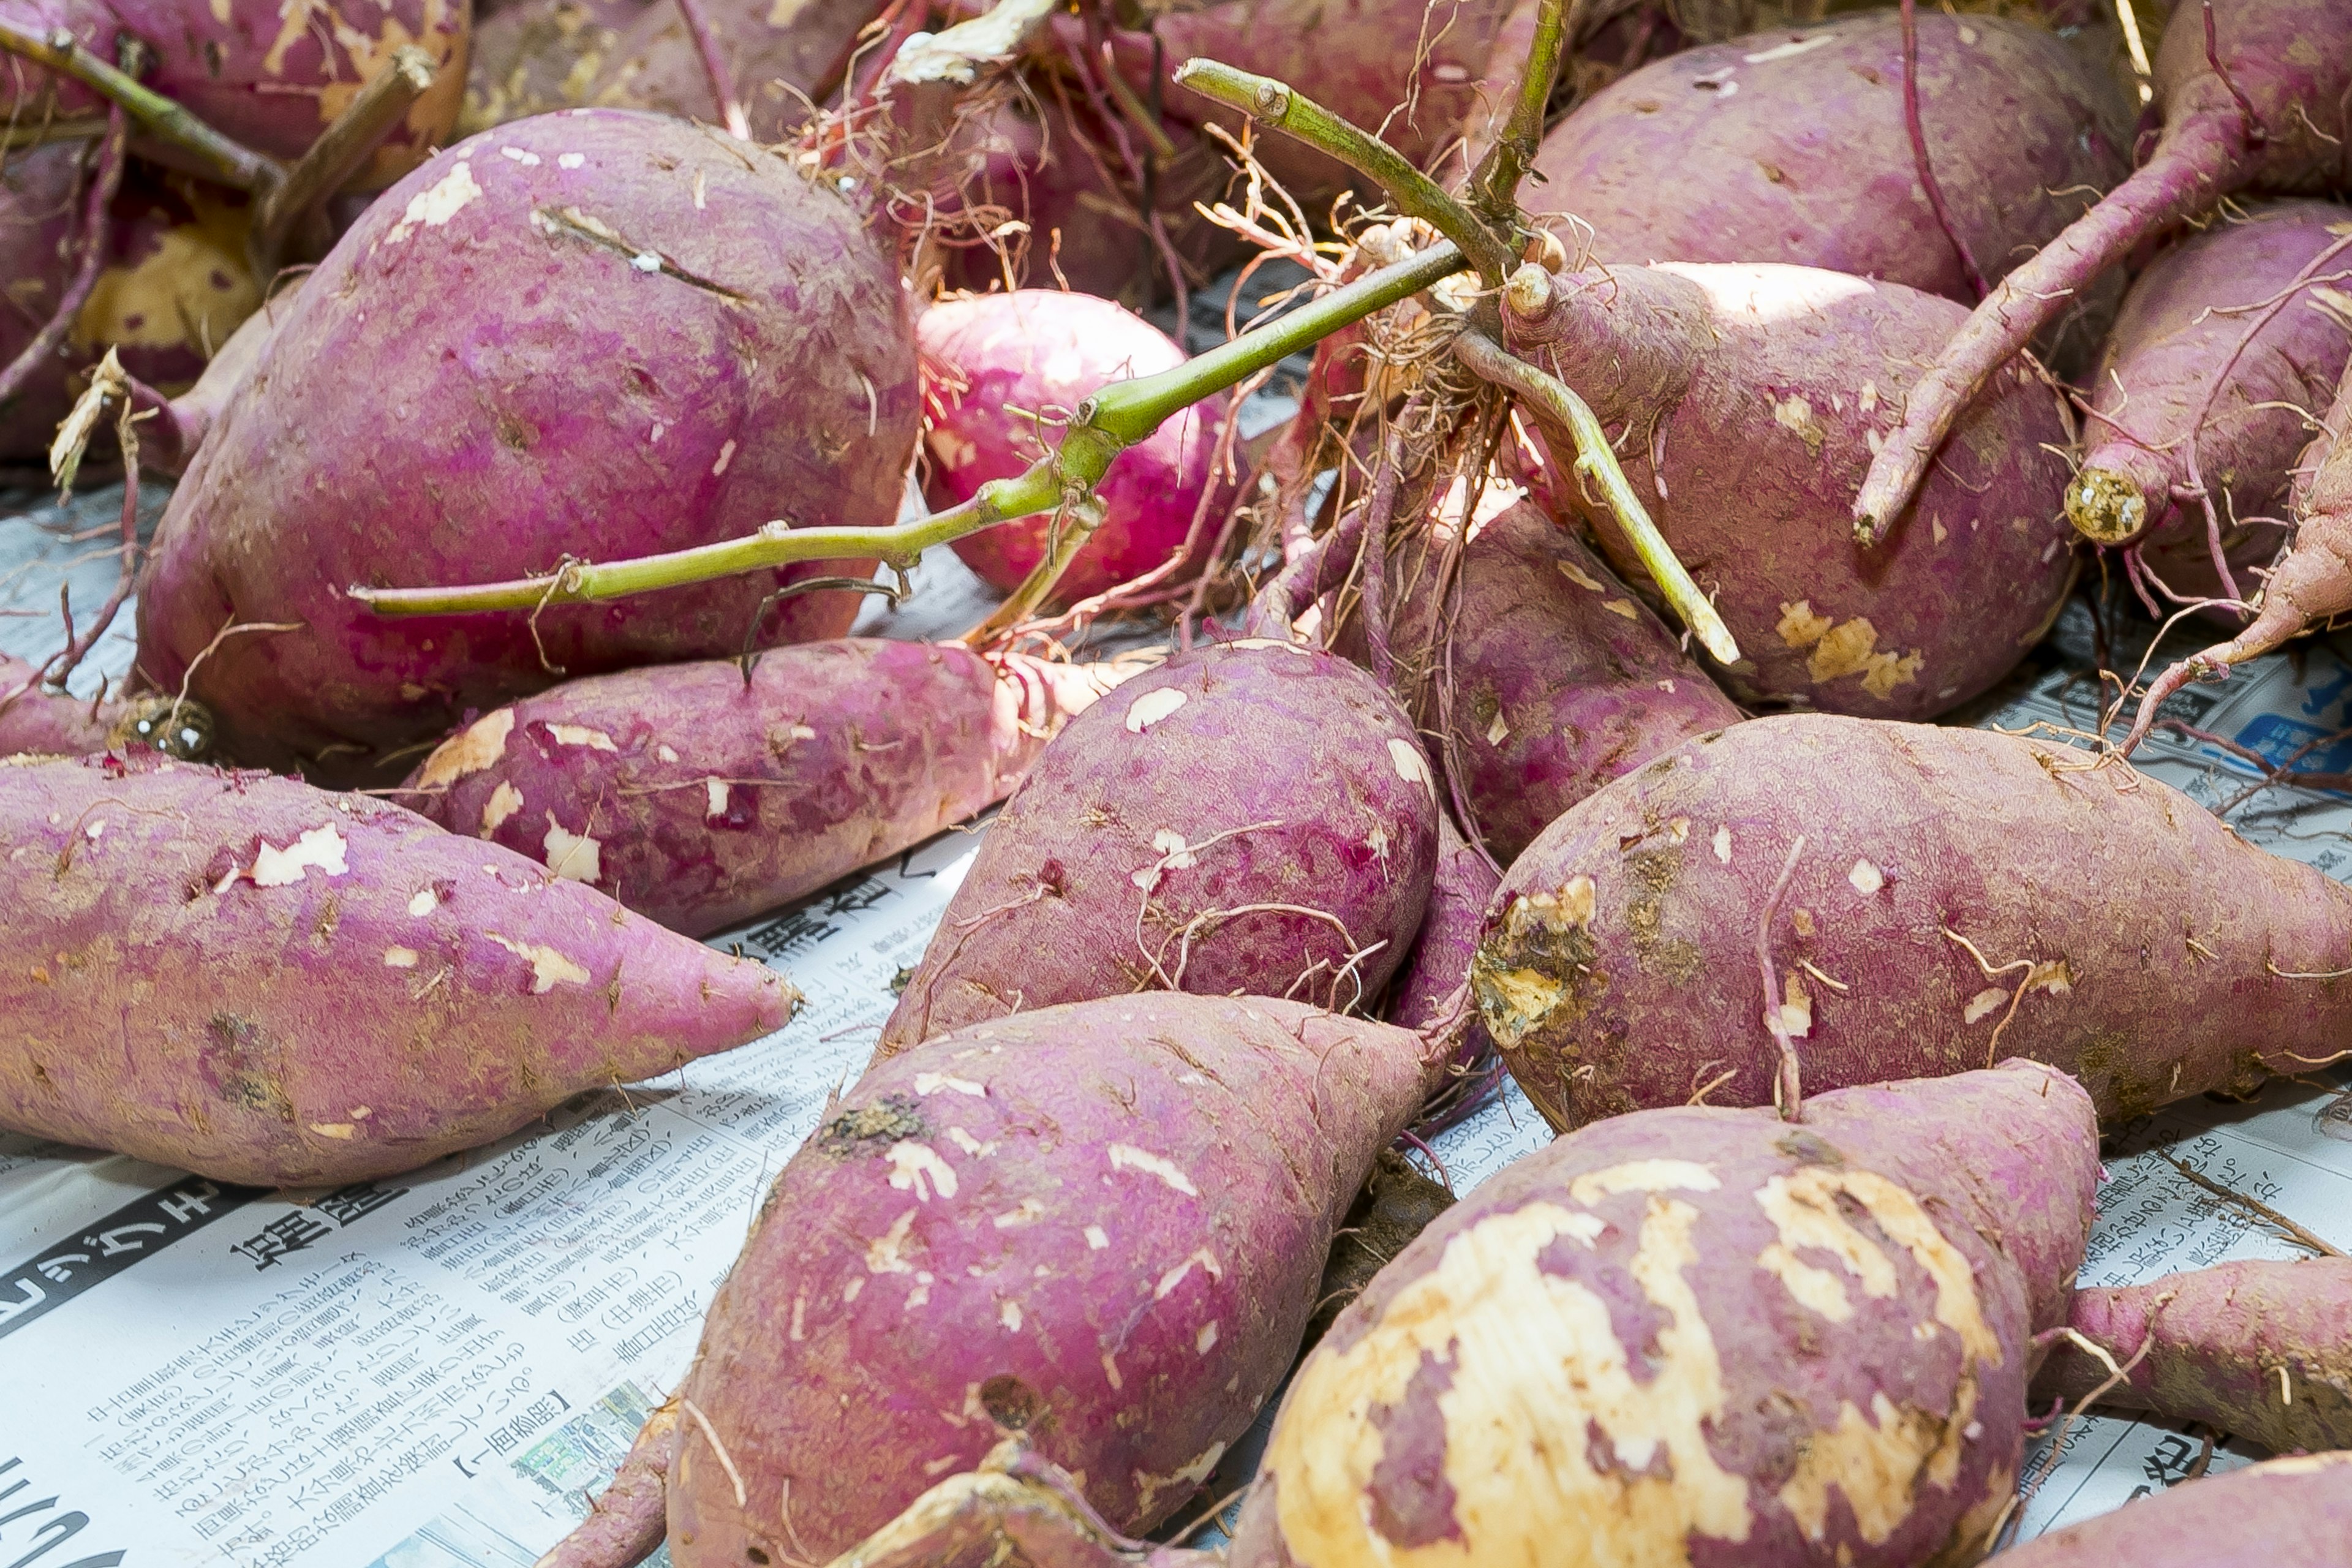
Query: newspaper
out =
(438, 1371)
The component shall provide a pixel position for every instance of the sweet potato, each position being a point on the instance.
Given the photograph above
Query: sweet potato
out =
(2253, 1349)
(780, 60)
(2180, 360)
(2276, 116)
(1954, 895)
(268, 76)
(2286, 1513)
(250, 978)
(45, 723)
(1561, 680)
(1101, 1225)
(1790, 146)
(1253, 817)
(700, 799)
(1429, 986)
(997, 363)
(540, 55)
(668, 339)
(1753, 397)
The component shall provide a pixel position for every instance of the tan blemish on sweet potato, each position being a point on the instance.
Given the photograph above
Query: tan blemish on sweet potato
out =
(917, 1168)
(1147, 1487)
(580, 735)
(320, 847)
(1799, 627)
(1844, 650)
(1152, 707)
(549, 966)
(504, 802)
(400, 957)
(469, 750)
(1795, 415)
(886, 1253)
(1532, 1355)
(1128, 1157)
(576, 855)
(436, 203)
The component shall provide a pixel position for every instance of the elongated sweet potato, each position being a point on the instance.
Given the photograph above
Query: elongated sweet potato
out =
(2255, 1349)
(1100, 1225)
(41, 721)
(2180, 357)
(1954, 897)
(1158, 843)
(1561, 679)
(998, 361)
(2286, 1513)
(700, 799)
(1435, 971)
(1753, 399)
(264, 983)
(2263, 102)
(1790, 146)
(684, 339)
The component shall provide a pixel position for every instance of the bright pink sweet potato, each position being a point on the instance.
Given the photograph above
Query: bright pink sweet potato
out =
(1561, 680)
(2180, 357)
(699, 799)
(256, 980)
(45, 723)
(669, 339)
(1253, 817)
(2275, 116)
(1754, 397)
(1790, 146)
(1955, 896)
(2255, 1349)
(1101, 1225)
(2286, 1513)
(996, 363)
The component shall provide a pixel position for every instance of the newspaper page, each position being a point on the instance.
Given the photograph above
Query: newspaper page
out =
(439, 1370)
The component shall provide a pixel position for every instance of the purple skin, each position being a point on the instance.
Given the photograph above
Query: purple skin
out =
(924, 1276)
(2181, 325)
(1619, 968)
(42, 722)
(539, 56)
(1694, 1335)
(699, 801)
(1562, 679)
(993, 356)
(298, 988)
(1790, 146)
(779, 57)
(267, 76)
(2288, 1513)
(2231, 1342)
(771, 354)
(1763, 387)
(1233, 777)
(40, 221)
(1429, 988)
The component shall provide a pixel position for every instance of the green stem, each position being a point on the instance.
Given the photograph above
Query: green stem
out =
(1495, 184)
(1566, 414)
(1085, 515)
(338, 153)
(61, 52)
(1104, 425)
(1414, 193)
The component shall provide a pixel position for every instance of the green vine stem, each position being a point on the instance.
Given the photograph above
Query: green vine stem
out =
(1564, 414)
(1074, 527)
(1413, 193)
(1104, 425)
(61, 52)
(1495, 184)
(337, 154)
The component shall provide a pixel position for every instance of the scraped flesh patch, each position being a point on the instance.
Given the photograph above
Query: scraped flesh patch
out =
(470, 751)
(1152, 707)
(319, 847)
(549, 967)
(436, 203)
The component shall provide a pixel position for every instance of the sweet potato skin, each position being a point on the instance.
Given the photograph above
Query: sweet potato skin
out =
(1757, 393)
(2285, 1513)
(1562, 679)
(586, 406)
(1789, 146)
(1688, 1335)
(999, 360)
(1618, 969)
(50, 723)
(1236, 776)
(699, 800)
(2224, 1336)
(1438, 967)
(1102, 1224)
(264, 983)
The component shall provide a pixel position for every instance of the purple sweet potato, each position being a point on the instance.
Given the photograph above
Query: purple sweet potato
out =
(270, 76)
(1430, 987)
(1101, 1225)
(997, 362)
(781, 57)
(1253, 817)
(1561, 680)
(44, 722)
(699, 800)
(258, 981)
(1954, 895)
(2286, 1513)
(540, 55)
(2255, 1349)
(2180, 357)
(1752, 398)
(1790, 146)
(2275, 116)
(669, 339)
